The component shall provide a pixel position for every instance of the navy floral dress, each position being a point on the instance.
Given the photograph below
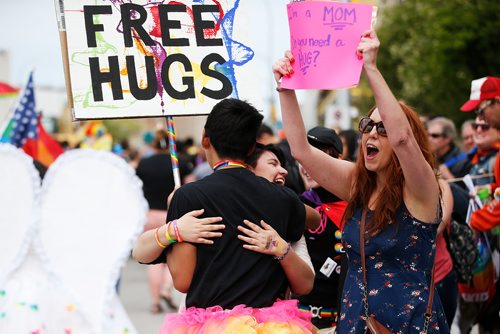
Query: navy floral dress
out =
(398, 264)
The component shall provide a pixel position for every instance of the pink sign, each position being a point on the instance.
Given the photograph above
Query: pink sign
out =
(324, 37)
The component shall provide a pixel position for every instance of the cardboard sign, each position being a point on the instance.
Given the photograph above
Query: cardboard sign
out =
(144, 58)
(324, 37)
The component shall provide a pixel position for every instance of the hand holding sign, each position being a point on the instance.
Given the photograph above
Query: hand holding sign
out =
(324, 37)
(283, 68)
(368, 49)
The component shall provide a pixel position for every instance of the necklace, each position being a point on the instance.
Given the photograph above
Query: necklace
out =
(228, 164)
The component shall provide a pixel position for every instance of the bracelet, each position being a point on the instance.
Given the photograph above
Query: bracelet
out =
(158, 239)
(279, 89)
(167, 235)
(176, 229)
(280, 258)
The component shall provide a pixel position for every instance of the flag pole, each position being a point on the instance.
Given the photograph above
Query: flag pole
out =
(61, 24)
(173, 151)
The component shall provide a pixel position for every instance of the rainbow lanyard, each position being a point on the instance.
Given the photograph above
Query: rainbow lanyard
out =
(228, 164)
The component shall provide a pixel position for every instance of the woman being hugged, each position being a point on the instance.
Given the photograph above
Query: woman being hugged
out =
(393, 181)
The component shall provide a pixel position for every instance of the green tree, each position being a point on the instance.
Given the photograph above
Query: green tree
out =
(431, 50)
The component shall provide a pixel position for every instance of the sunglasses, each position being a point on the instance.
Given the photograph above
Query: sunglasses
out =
(366, 125)
(437, 135)
(482, 107)
(483, 126)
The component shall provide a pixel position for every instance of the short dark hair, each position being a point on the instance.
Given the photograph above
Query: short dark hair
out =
(251, 160)
(232, 128)
(265, 129)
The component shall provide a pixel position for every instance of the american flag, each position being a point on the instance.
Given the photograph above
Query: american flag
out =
(25, 120)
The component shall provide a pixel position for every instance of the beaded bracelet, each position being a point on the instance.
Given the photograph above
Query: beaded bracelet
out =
(158, 239)
(167, 235)
(280, 258)
(176, 229)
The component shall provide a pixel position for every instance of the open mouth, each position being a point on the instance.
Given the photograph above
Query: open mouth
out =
(279, 180)
(371, 151)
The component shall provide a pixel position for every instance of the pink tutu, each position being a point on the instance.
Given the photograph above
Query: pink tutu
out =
(283, 317)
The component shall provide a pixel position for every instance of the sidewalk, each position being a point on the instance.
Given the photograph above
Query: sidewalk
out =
(134, 294)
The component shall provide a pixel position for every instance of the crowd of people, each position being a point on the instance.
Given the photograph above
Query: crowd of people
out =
(327, 231)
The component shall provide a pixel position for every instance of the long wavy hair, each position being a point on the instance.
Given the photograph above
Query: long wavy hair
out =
(391, 196)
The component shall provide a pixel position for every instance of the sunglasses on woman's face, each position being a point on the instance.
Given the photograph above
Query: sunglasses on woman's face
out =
(366, 125)
(483, 126)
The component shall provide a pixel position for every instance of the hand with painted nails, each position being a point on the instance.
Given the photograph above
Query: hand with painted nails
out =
(262, 239)
(368, 49)
(199, 230)
(283, 66)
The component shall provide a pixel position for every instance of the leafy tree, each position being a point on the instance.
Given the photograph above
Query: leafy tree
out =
(431, 50)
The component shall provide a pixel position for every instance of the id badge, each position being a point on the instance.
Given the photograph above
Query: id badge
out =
(328, 267)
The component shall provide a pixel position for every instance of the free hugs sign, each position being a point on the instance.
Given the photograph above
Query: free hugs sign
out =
(148, 59)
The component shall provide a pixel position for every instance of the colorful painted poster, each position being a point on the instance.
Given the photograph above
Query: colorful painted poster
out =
(323, 38)
(142, 58)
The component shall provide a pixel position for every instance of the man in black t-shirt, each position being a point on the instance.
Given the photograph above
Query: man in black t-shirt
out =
(225, 273)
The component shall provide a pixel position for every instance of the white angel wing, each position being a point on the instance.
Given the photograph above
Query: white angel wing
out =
(92, 211)
(19, 191)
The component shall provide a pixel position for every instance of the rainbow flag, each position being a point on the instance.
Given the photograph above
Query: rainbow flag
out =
(7, 90)
(25, 130)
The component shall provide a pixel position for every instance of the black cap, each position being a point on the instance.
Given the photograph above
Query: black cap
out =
(321, 136)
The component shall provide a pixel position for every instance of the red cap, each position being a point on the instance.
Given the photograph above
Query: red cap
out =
(482, 89)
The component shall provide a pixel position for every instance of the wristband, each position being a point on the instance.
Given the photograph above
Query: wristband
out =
(176, 229)
(280, 258)
(279, 89)
(158, 239)
(167, 235)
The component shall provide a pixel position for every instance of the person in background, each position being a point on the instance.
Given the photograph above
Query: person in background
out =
(350, 140)
(393, 185)
(442, 135)
(324, 242)
(453, 163)
(485, 100)
(467, 135)
(487, 140)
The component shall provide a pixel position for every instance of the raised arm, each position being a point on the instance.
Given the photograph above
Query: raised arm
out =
(333, 174)
(421, 187)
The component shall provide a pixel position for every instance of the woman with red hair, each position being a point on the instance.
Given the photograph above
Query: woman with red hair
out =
(394, 186)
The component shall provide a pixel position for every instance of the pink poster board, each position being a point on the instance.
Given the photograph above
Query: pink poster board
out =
(324, 37)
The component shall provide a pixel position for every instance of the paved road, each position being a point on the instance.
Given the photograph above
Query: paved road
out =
(135, 298)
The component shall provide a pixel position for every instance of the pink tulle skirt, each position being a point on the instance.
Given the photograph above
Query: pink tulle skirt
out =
(283, 317)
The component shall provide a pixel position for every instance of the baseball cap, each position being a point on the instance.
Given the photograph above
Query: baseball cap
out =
(321, 136)
(482, 89)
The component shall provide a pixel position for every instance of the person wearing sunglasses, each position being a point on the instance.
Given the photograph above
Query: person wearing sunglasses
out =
(487, 140)
(485, 100)
(392, 184)
(452, 161)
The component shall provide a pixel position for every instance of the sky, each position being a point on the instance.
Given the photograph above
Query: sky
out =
(29, 33)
